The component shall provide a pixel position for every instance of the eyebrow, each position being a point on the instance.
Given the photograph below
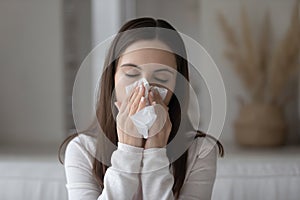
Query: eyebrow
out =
(130, 64)
(134, 65)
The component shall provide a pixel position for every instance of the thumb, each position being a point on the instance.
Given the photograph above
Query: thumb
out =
(118, 104)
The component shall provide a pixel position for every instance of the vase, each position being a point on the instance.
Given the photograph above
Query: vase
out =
(260, 125)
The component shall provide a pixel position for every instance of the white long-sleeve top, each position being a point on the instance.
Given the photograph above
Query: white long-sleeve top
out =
(155, 180)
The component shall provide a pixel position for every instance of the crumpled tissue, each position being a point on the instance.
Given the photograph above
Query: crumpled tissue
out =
(144, 119)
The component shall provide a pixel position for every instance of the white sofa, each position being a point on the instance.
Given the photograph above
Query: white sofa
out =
(241, 175)
(31, 176)
(266, 174)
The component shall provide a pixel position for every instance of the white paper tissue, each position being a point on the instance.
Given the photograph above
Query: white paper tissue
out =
(144, 119)
(161, 91)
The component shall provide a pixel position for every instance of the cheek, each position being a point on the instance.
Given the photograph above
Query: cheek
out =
(171, 89)
(120, 83)
(120, 93)
(119, 88)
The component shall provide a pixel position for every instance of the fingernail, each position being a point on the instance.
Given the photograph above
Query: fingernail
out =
(142, 99)
(116, 105)
(141, 88)
(151, 93)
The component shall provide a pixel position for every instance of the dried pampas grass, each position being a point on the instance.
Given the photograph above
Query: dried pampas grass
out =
(264, 72)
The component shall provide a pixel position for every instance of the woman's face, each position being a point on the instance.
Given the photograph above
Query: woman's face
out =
(157, 66)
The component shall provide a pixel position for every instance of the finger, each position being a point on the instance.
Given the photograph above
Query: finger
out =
(124, 104)
(134, 93)
(136, 101)
(132, 97)
(150, 97)
(159, 100)
(157, 96)
(142, 104)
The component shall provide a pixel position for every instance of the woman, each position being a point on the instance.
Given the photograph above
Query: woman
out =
(140, 167)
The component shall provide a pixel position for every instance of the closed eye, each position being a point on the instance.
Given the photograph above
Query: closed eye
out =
(130, 71)
(132, 75)
(161, 80)
(163, 76)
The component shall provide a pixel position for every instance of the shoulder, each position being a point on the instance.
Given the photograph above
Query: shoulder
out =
(202, 147)
(202, 159)
(80, 149)
(79, 166)
(82, 142)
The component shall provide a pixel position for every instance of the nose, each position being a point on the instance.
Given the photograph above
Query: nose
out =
(147, 77)
(147, 82)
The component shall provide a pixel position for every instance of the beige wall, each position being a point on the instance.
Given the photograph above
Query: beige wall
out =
(31, 72)
(213, 41)
(31, 69)
(198, 20)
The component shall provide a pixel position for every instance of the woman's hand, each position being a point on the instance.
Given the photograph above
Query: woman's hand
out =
(127, 132)
(160, 139)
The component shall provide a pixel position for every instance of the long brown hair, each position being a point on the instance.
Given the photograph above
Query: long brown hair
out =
(177, 112)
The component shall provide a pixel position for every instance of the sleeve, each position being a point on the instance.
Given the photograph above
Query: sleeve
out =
(120, 178)
(157, 180)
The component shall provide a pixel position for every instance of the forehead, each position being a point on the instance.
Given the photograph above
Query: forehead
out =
(145, 52)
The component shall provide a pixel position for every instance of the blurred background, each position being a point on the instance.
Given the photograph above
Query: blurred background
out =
(254, 43)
